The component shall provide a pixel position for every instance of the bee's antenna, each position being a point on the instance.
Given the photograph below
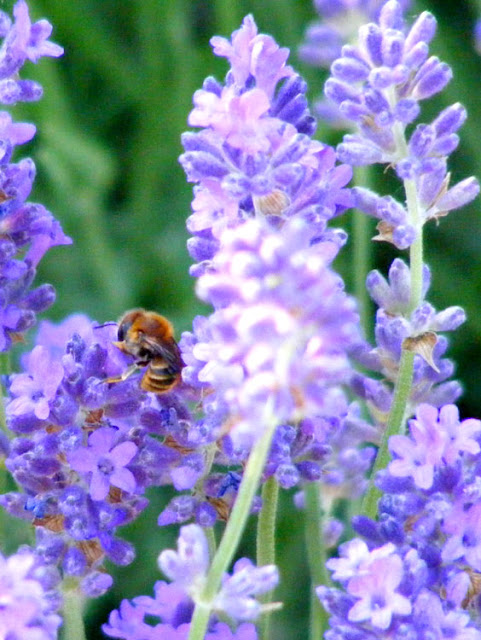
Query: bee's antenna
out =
(106, 324)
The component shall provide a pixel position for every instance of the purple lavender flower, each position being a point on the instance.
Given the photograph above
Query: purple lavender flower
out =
(106, 462)
(281, 329)
(37, 388)
(23, 41)
(338, 25)
(378, 84)
(254, 156)
(28, 607)
(376, 587)
(28, 230)
(415, 574)
(236, 596)
(398, 327)
(166, 617)
(433, 439)
(188, 566)
(86, 451)
(173, 603)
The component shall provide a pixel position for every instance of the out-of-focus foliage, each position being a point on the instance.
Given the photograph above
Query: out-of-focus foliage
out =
(106, 153)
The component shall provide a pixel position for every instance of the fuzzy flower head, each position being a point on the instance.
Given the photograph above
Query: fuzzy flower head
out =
(254, 155)
(27, 609)
(38, 387)
(436, 436)
(400, 327)
(281, 328)
(106, 462)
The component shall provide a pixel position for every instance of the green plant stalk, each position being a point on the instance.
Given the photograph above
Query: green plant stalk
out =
(73, 625)
(211, 541)
(266, 540)
(234, 529)
(316, 557)
(394, 425)
(361, 247)
(5, 369)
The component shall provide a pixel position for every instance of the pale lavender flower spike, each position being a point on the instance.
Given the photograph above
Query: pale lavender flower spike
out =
(170, 611)
(377, 85)
(281, 330)
(254, 155)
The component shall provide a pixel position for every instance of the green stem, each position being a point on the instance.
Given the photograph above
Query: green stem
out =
(234, 529)
(402, 390)
(266, 540)
(361, 247)
(210, 535)
(266, 524)
(73, 625)
(394, 425)
(5, 370)
(316, 557)
(416, 249)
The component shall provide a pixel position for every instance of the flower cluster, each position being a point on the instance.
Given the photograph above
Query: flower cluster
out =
(29, 598)
(173, 603)
(417, 571)
(276, 345)
(27, 230)
(398, 327)
(254, 155)
(86, 450)
(378, 85)
(280, 331)
(338, 25)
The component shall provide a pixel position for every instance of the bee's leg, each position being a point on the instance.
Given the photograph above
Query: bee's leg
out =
(126, 374)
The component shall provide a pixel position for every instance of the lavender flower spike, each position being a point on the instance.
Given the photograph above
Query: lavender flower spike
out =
(281, 330)
(377, 85)
(86, 450)
(254, 155)
(415, 574)
(27, 230)
(170, 611)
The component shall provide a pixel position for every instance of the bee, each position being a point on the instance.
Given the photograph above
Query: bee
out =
(149, 338)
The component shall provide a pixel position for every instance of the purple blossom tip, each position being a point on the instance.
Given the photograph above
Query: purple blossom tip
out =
(187, 566)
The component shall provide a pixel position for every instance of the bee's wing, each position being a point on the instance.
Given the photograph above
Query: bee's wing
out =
(168, 350)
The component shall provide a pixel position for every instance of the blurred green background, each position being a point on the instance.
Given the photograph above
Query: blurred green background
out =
(106, 152)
